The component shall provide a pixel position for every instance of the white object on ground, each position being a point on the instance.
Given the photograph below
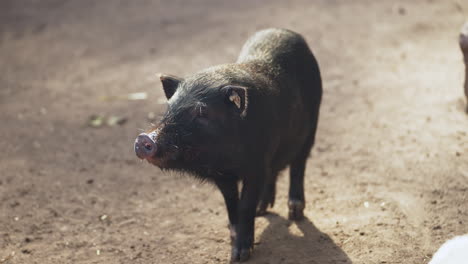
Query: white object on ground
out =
(454, 251)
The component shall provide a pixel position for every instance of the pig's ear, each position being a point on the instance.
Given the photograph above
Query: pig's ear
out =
(169, 83)
(237, 95)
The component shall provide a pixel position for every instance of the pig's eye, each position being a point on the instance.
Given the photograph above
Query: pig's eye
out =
(200, 110)
(201, 116)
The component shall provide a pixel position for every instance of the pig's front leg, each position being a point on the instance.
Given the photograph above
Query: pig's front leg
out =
(243, 245)
(228, 188)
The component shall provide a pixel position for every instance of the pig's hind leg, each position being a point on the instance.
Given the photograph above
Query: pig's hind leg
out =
(267, 198)
(268, 190)
(296, 202)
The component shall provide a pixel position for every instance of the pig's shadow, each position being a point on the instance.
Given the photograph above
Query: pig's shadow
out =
(279, 245)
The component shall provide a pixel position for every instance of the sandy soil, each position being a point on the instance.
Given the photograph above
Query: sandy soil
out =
(387, 181)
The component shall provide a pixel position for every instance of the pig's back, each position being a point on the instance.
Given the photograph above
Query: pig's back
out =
(284, 57)
(294, 92)
(271, 45)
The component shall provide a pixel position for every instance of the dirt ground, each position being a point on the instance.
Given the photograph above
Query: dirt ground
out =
(387, 181)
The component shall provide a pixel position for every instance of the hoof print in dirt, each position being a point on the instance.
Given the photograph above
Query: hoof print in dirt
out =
(296, 210)
(243, 122)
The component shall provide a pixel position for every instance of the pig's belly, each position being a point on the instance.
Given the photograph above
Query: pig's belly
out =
(292, 142)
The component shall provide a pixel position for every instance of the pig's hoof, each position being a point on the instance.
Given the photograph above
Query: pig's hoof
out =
(296, 210)
(268, 200)
(240, 255)
(262, 210)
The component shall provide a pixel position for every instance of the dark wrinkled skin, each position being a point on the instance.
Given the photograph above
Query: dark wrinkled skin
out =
(244, 121)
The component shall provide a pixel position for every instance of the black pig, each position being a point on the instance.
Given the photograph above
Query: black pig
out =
(243, 122)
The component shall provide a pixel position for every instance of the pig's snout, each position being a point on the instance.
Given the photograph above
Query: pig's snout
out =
(145, 147)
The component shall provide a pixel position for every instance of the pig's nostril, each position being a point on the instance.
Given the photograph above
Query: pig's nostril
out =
(148, 146)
